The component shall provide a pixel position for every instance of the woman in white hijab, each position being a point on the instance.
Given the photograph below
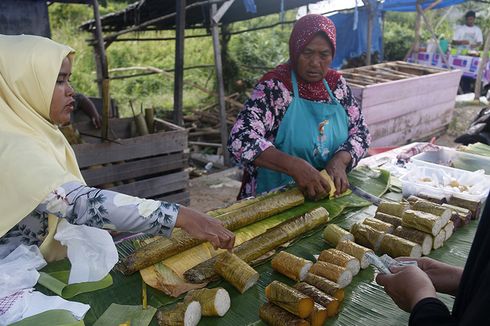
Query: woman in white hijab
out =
(39, 176)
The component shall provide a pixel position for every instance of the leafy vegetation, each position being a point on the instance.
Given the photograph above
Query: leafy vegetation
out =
(247, 55)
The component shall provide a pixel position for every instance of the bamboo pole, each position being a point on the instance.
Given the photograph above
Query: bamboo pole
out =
(481, 67)
(104, 71)
(369, 30)
(221, 89)
(179, 62)
(416, 41)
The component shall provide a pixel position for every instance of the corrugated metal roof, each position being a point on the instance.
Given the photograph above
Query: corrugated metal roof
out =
(196, 17)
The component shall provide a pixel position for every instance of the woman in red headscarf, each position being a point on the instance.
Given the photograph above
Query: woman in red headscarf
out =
(300, 118)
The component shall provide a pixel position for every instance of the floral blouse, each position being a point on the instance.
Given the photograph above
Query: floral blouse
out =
(80, 204)
(257, 124)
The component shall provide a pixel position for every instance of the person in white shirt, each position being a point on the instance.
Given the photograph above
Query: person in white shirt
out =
(468, 36)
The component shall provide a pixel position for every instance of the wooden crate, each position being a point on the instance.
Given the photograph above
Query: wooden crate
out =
(404, 102)
(150, 166)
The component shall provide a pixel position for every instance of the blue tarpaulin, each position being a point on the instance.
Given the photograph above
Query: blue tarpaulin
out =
(409, 5)
(352, 41)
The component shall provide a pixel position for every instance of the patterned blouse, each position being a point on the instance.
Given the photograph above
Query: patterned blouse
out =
(257, 124)
(80, 204)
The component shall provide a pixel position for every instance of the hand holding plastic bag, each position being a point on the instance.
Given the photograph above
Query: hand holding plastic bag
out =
(91, 251)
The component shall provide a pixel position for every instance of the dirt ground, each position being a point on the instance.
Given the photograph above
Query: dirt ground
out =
(220, 189)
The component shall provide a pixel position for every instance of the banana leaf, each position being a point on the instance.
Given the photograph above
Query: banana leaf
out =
(118, 314)
(57, 282)
(127, 289)
(55, 317)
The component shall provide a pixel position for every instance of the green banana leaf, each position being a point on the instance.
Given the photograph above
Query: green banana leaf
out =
(118, 314)
(51, 317)
(363, 296)
(58, 283)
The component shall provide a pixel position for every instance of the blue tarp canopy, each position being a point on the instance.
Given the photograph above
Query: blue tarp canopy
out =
(409, 5)
(352, 37)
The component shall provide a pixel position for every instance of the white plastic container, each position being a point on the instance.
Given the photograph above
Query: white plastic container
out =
(438, 180)
(452, 158)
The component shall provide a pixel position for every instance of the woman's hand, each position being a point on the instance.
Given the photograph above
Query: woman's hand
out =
(337, 169)
(204, 227)
(407, 286)
(309, 180)
(444, 277)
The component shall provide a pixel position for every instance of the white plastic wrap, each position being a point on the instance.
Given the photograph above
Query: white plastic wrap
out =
(91, 251)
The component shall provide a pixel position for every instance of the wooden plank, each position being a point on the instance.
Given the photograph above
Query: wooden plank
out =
(405, 105)
(131, 148)
(423, 85)
(410, 120)
(134, 169)
(412, 131)
(155, 186)
(118, 128)
(182, 198)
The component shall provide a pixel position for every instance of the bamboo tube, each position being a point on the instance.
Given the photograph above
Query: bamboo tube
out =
(342, 259)
(163, 248)
(141, 126)
(460, 217)
(435, 198)
(329, 302)
(214, 302)
(150, 119)
(184, 313)
(428, 207)
(448, 230)
(396, 221)
(425, 222)
(290, 265)
(289, 299)
(275, 316)
(237, 272)
(379, 225)
(438, 240)
(258, 246)
(392, 208)
(396, 247)
(325, 285)
(367, 236)
(340, 275)
(356, 250)
(472, 205)
(333, 234)
(318, 315)
(422, 238)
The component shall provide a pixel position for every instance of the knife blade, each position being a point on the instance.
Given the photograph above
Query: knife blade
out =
(365, 195)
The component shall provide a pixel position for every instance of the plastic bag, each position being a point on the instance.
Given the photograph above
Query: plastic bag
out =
(91, 251)
(19, 269)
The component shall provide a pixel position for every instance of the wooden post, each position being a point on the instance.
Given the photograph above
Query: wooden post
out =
(481, 67)
(221, 90)
(179, 62)
(416, 41)
(104, 70)
(369, 30)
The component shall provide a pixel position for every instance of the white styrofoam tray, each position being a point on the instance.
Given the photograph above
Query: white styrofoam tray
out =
(452, 158)
(477, 182)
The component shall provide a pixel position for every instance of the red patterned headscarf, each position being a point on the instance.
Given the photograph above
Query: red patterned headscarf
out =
(304, 30)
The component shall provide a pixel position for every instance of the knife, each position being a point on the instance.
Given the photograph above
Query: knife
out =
(365, 195)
